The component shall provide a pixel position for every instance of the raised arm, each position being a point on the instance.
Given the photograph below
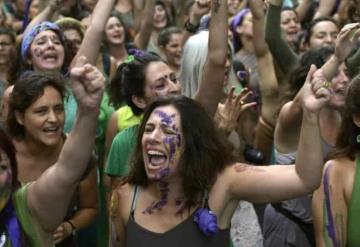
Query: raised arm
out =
(90, 45)
(198, 10)
(345, 43)
(211, 86)
(58, 183)
(284, 56)
(143, 35)
(268, 81)
(303, 8)
(46, 14)
(277, 183)
(325, 8)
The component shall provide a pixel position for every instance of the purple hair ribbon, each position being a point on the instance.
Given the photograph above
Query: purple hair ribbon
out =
(136, 52)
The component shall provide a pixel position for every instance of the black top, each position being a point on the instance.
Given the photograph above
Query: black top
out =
(185, 234)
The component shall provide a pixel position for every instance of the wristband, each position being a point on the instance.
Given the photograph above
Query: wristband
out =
(73, 228)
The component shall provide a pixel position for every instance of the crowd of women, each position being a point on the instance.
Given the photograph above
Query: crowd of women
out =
(179, 123)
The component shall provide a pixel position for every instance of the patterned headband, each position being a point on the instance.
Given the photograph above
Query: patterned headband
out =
(31, 34)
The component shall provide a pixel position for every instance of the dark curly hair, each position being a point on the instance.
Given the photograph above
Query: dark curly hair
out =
(25, 92)
(206, 154)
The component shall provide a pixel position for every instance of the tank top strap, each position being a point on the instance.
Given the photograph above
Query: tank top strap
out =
(134, 200)
(206, 200)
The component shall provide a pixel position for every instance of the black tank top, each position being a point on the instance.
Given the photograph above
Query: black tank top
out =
(185, 234)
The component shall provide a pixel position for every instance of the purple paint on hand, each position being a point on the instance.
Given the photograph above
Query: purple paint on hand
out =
(206, 221)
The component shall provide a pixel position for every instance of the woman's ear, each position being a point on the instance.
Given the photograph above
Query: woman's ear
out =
(139, 101)
(356, 120)
(19, 117)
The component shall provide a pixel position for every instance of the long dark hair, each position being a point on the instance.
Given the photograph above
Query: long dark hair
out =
(206, 153)
(346, 143)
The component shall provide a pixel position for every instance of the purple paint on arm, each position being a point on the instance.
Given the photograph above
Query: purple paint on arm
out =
(330, 227)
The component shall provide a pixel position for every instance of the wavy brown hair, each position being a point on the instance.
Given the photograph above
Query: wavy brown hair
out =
(206, 153)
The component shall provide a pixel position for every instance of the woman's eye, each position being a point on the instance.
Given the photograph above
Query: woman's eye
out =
(160, 86)
(173, 78)
(148, 129)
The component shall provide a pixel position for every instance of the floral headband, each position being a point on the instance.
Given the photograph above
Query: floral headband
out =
(133, 54)
(31, 34)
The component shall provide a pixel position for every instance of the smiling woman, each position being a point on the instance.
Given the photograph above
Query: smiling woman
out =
(36, 123)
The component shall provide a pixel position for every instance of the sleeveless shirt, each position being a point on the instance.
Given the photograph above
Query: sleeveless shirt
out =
(186, 234)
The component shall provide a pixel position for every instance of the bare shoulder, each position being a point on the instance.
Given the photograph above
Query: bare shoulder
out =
(342, 174)
(121, 198)
(342, 167)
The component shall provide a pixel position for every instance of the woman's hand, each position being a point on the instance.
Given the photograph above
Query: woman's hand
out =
(200, 8)
(346, 40)
(62, 232)
(229, 114)
(87, 84)
(316, 91)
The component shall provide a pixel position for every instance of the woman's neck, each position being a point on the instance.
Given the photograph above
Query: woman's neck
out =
(117, 51)
(330, 121)
(166, 194)
(39, 150)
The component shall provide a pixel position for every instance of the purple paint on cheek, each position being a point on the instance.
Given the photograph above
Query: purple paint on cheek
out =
(170, 140)
(38, 52)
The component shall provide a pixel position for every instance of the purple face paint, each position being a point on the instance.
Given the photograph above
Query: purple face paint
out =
(162, 173)
(164, 195)
(165, 118)
(38, 52)
(170, 141)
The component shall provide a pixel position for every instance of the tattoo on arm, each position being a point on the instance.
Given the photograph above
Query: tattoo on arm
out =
(216, 5)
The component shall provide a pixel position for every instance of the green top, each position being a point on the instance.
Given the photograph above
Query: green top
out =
(70, 106)
(353, 236)
(27, 222)
(106, 110)
(122, 147)
(126, 118)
